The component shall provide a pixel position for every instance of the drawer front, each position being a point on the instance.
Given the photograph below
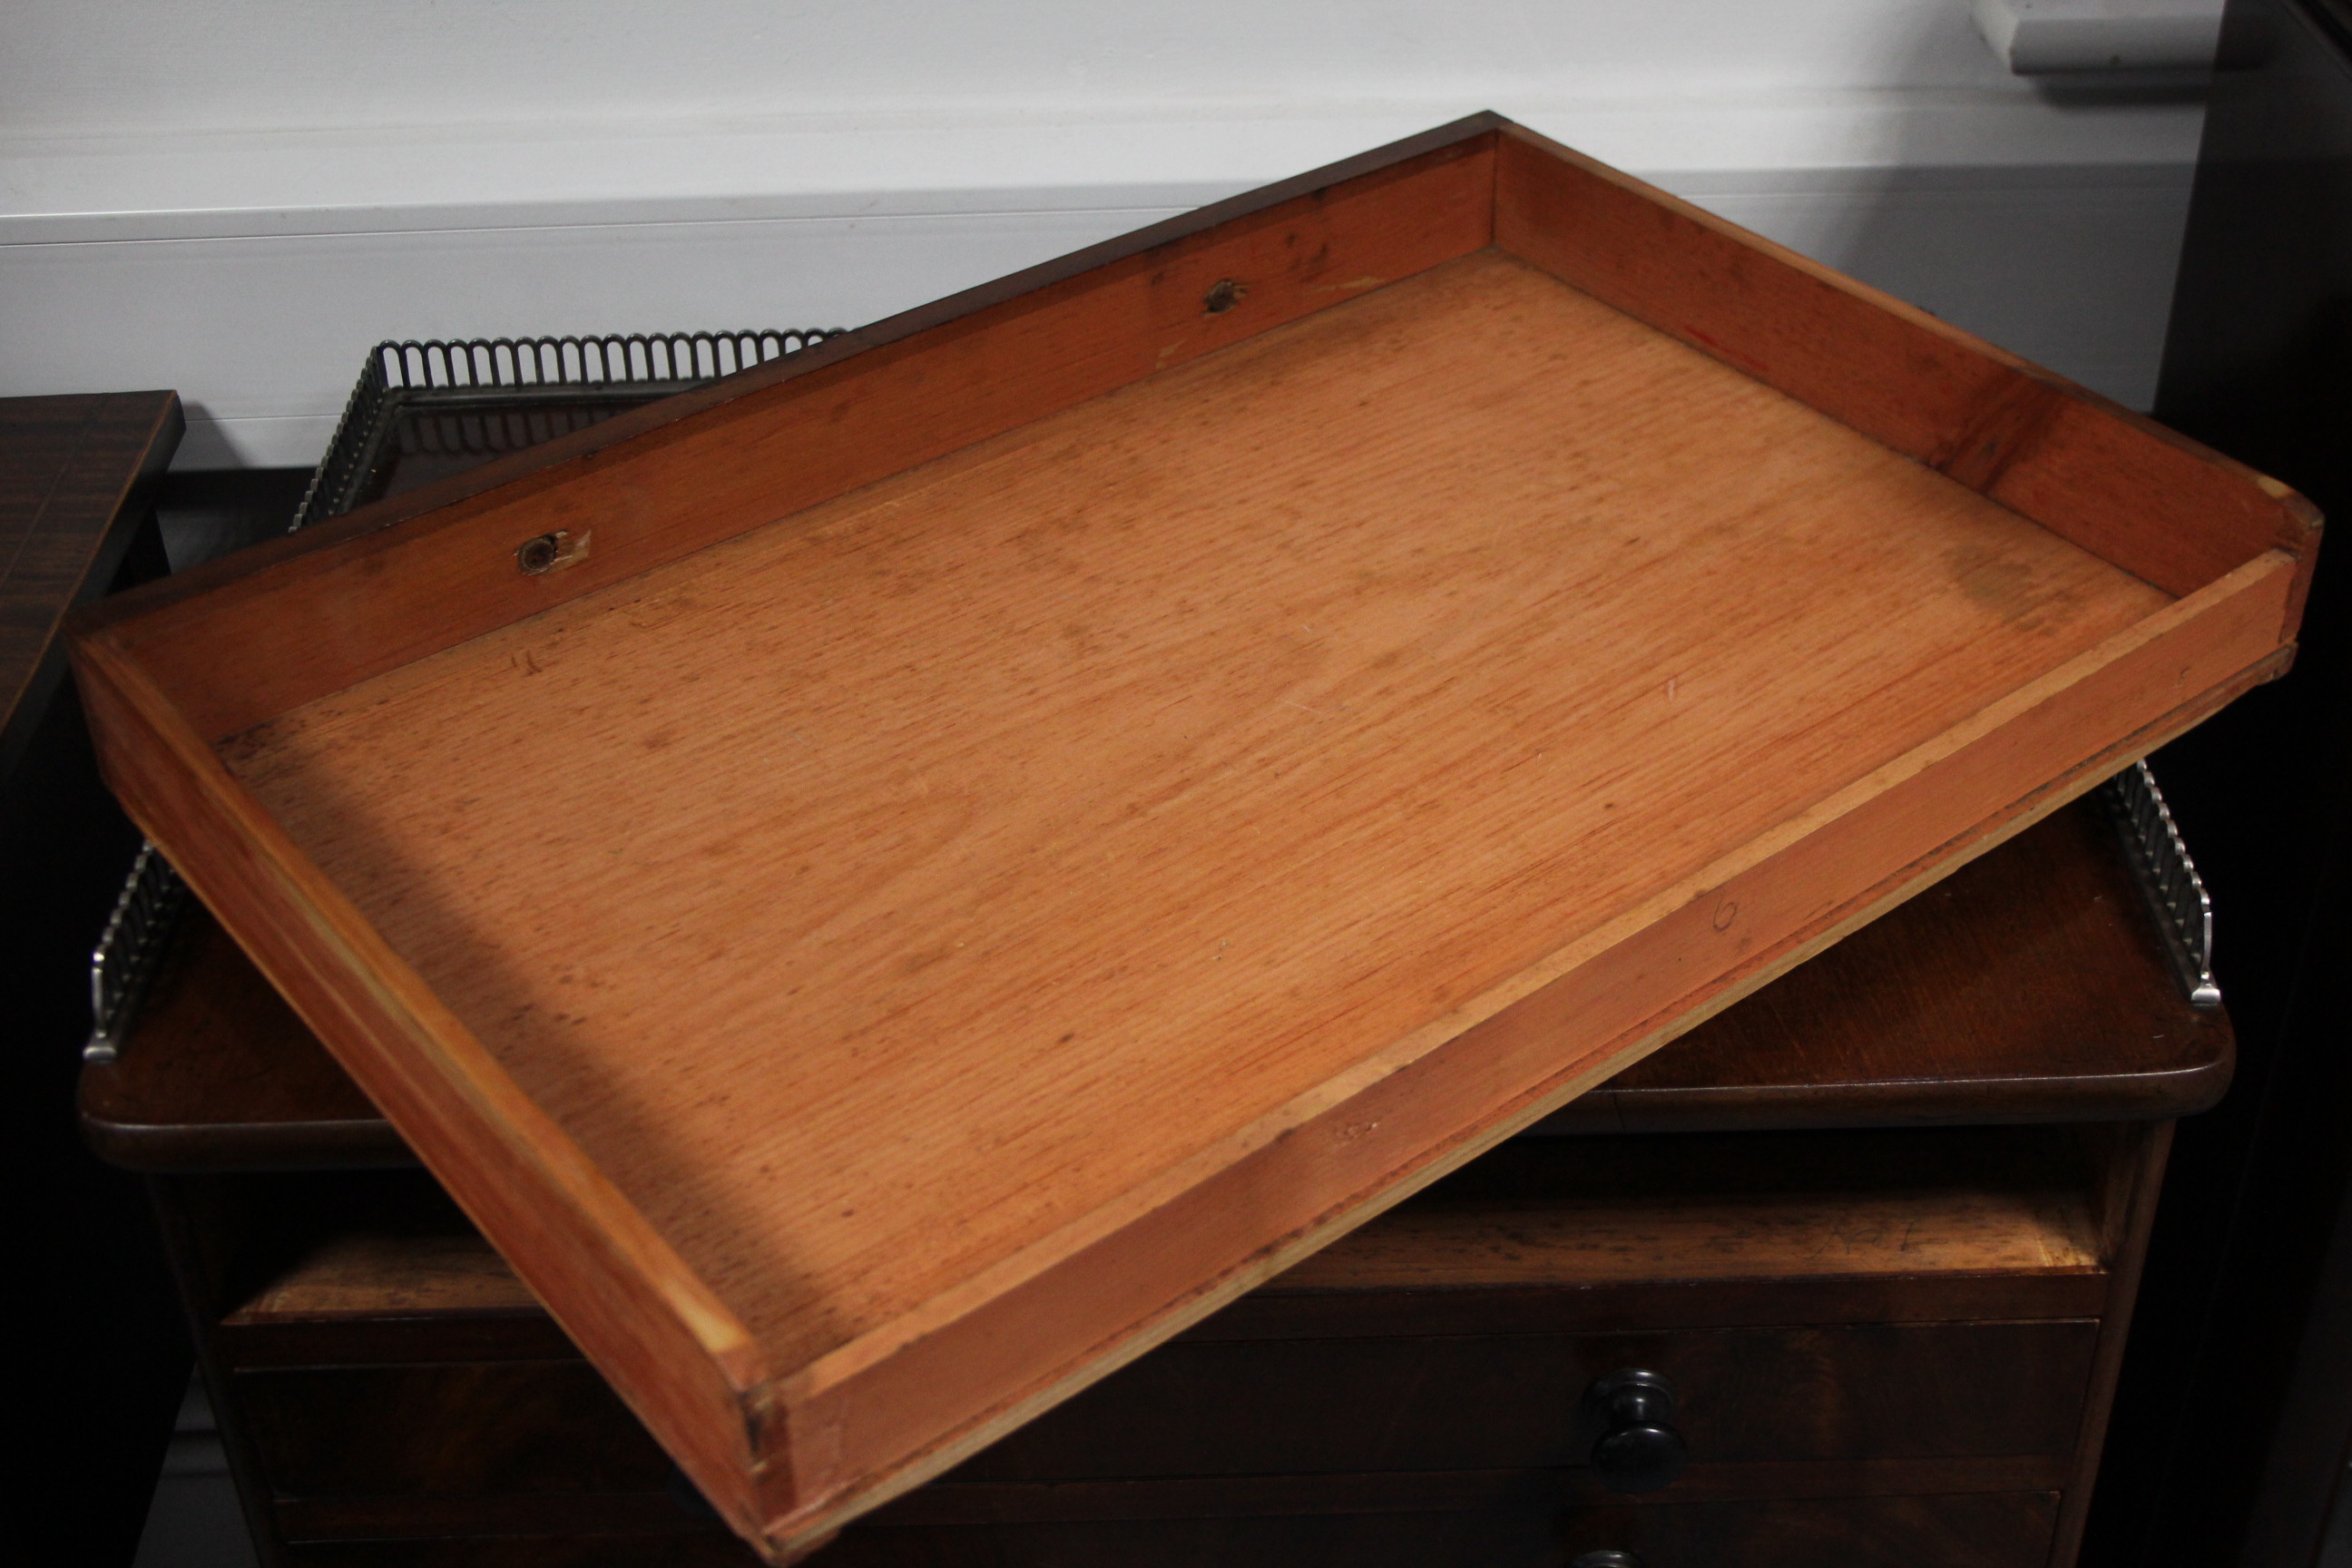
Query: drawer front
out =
(1254, 1407)
(466, 1428)
(1508, 1401)
(1976, 1530)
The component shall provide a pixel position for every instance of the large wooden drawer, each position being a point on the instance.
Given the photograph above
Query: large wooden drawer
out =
(1852, 1391)
(1883, 1346)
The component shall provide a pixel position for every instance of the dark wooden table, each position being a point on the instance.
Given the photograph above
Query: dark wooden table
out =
(78, 482)
(78, 479)
(1880, 1224)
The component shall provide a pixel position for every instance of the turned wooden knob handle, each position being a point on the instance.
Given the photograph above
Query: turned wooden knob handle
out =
(1638, 1449)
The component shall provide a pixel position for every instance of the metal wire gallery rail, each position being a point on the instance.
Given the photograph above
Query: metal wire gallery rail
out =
(2167, 876)
(632, 366)
(466, 385)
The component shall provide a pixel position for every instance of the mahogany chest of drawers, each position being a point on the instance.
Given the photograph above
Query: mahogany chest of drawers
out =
(1875, 1233)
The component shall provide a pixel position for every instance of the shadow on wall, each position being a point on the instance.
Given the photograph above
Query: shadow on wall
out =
(2070, 265)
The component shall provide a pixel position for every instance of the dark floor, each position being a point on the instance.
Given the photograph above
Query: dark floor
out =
(195, 1521)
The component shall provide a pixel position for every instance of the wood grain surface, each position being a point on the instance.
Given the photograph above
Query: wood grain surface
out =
(751, 895)
(78, 476)
(2144, 497)
(1792, 1393)
(384, 1427)
(1588, 1242)
(380, 1411)
(312, 616)
(370, 1275)
(880, 958)
(1553, 1216)
(1787, 1396)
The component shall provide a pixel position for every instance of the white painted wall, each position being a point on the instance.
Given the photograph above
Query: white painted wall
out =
(239, 200)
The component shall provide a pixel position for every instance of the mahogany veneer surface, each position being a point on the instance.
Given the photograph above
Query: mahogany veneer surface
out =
(392, 1395)
(76, 475)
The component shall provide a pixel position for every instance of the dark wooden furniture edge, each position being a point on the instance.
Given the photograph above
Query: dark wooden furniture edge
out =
(1981, 1102)
(120, 443)
(354, 1146)
(2138, 1214)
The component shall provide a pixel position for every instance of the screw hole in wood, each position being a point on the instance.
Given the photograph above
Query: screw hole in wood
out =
(546, 552)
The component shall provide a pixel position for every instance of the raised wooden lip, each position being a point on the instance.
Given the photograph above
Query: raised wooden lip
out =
(805, 1527)
(2299, 523)
(840, 1365)
(946, 310)
(738, 1427)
